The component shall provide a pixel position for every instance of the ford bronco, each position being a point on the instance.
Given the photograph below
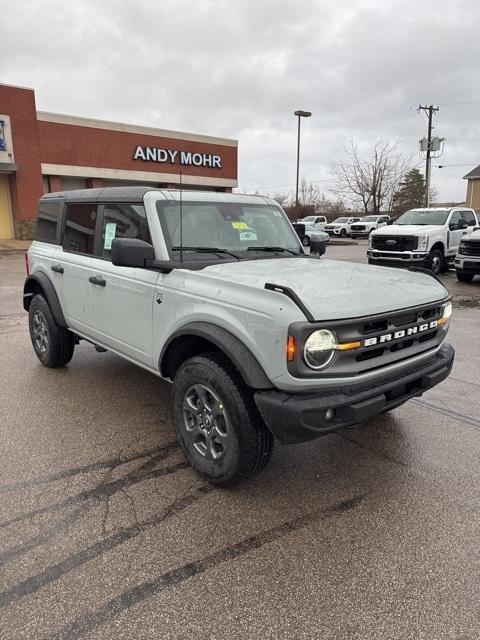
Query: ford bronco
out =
(213, 292)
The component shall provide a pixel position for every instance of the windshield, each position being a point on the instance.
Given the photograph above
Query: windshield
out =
(309, 219)
(341, 220)
(369, 219)
(230, 226)
(423, 217)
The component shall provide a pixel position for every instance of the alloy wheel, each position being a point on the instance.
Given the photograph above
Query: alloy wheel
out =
(40, 332)
(206, 422)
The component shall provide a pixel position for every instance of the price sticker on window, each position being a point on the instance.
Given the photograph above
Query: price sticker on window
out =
(240, 225)
(110, 230)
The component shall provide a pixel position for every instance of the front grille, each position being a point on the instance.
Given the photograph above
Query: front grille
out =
(469, 248)
(358, 227)
(394, 243)
(385, 348)
(299, 228)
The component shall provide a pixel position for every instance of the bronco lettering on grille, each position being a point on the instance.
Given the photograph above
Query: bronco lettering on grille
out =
(401, 333)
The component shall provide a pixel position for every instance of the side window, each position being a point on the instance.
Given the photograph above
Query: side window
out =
(469, 217)
(455, 217)
(47, 221)
(79, 230)
(123, 221)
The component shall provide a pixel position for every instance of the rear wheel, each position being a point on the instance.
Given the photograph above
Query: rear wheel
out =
(53, 345)
(217, 422)
(435, 261)
(306, 241)
(463, 276)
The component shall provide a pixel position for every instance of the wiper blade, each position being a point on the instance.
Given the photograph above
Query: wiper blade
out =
(207, 250)
(273, 249)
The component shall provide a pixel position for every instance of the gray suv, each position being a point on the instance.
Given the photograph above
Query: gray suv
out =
(213, 292)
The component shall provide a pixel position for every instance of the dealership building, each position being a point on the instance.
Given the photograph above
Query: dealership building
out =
(42, 152)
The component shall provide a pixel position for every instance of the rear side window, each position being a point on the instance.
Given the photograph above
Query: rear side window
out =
(79, 230)
(47, 221)
(123, 221)
(469, 217)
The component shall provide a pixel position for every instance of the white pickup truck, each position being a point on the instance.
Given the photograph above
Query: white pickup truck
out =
(364, 227)
(422, 237)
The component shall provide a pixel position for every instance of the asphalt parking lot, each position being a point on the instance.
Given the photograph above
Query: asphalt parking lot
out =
(105, 532)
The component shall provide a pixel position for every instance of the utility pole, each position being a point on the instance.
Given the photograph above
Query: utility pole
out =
(300, 114)
(429, 110)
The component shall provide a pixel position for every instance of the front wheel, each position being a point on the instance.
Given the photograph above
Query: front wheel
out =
(464, 277)
(53, 345)
(343, 233)
(217, 423)
(435, 261)
(306, 241)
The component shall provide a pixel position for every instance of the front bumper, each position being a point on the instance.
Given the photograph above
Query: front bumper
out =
(299, 417)
(398, 258)
(467, 264)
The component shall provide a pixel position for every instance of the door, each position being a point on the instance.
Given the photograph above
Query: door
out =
(75, 258)
(6, 225)
(454, 234)
(121, 298)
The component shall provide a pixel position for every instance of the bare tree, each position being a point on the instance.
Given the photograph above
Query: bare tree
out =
(282, 198)
(370, 183)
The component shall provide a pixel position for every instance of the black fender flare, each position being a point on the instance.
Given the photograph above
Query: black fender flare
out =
(40, 281)
(240, 355)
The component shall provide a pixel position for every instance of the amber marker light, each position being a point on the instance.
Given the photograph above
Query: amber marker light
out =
(290, 348)
(346, 346)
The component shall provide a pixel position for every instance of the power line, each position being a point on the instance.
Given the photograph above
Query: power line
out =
(326, 139)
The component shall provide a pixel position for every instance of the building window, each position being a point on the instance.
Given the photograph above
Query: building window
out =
(79, 232)
(123, 221)
(47, 221)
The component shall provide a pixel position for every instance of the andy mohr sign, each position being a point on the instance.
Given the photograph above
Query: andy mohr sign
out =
(173, 156)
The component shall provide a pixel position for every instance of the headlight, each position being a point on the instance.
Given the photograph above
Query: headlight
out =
(320, 349)
(461, 247)
(422, 243)
(447, 311)
(370, 241)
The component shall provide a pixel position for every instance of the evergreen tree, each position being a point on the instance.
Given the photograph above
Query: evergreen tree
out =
(411, 192)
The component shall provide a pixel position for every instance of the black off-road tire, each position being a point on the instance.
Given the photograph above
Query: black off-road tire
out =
(343, 233)
(249, 443)
(306, 241)
(53, 345)
(463, 276)
(435, 261)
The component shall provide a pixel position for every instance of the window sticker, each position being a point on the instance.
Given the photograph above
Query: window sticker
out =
(239, 225)
(110, 229)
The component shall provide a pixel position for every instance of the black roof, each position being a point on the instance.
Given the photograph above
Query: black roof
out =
(110, 194)
(473, 175)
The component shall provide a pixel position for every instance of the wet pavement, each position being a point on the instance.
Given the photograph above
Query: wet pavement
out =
(105, 532)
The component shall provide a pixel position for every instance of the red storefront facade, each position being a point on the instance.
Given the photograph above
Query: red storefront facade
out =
(42, 152)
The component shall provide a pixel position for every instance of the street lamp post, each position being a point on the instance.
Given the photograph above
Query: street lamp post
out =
(300, 114)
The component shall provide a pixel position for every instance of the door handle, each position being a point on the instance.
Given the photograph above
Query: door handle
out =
(57, 268)
(97, 280)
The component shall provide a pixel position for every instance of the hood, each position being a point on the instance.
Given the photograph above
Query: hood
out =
(407, 229)
(332, 289)
(335, 224)
(475, 235)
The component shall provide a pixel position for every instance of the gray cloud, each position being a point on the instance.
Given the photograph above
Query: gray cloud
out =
(239, 69)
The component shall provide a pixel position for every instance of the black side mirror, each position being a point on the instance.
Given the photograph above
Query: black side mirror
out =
(318, 247)
(130, 252)
(390, 222)
(456, 226)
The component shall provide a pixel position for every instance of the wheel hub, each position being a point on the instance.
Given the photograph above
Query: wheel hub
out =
(206, 421)
(40, 331)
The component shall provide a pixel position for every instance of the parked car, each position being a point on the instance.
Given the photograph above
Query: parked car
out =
(467, 260)
(314, 222)
(258, 340)
(422, 237)
(364, 227)
(340, 227)
(308, 234)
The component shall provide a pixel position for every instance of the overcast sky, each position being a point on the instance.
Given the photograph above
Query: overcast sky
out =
(240, 68)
